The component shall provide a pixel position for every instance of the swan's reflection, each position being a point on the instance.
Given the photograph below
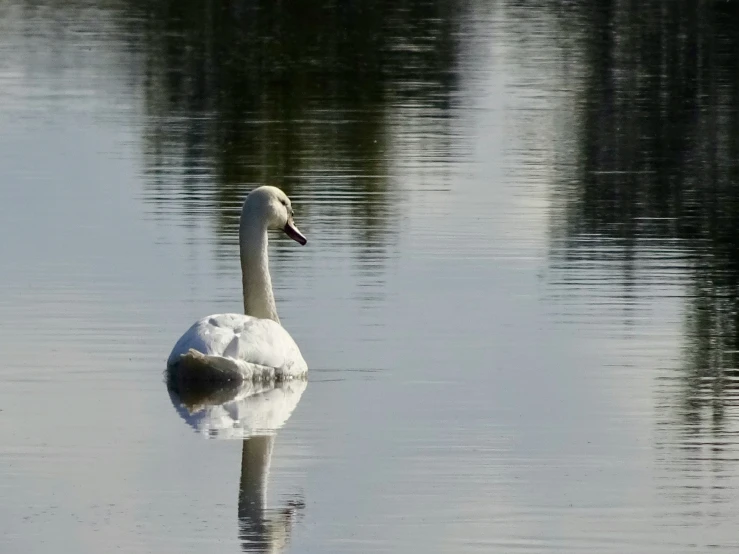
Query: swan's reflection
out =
(252, 412)
(262, 530)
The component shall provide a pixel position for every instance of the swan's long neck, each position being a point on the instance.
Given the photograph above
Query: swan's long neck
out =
(259, 300)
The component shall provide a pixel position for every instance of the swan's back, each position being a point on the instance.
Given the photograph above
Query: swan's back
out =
(248, 347)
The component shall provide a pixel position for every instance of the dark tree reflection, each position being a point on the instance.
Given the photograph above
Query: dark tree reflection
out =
(659, 161)
(298, 94)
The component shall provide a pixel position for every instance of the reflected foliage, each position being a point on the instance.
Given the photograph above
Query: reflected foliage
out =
(299, 94)
(659, 161)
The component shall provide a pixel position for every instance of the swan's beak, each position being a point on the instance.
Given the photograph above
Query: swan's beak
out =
(292, 231)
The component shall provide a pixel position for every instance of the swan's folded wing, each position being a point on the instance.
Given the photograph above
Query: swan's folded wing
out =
(240, 337)
(210, 335)
(264, 342)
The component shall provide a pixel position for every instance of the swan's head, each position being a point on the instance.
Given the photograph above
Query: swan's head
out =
(274, 207)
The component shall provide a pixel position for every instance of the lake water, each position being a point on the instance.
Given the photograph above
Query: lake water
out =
(518, 300)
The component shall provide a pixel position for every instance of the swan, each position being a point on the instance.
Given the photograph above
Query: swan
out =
(253, 345)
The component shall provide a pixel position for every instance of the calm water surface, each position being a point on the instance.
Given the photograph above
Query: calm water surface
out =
(518, 300)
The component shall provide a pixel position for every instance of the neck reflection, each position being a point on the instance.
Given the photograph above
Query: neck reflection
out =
(262, 529)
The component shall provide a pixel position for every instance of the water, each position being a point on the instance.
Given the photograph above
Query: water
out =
(518, 300)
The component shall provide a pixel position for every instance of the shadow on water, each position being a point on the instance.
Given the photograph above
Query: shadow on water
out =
(298, 94)
(252, 412)
(658, 188)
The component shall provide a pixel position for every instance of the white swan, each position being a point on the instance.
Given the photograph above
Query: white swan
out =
(253, 345)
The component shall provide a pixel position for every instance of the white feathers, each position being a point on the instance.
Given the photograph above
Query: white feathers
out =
(246, 347)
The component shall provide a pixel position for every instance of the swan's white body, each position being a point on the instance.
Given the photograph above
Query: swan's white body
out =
(250, 346)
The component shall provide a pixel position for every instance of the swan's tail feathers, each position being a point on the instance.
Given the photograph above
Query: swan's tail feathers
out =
(196, 367)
